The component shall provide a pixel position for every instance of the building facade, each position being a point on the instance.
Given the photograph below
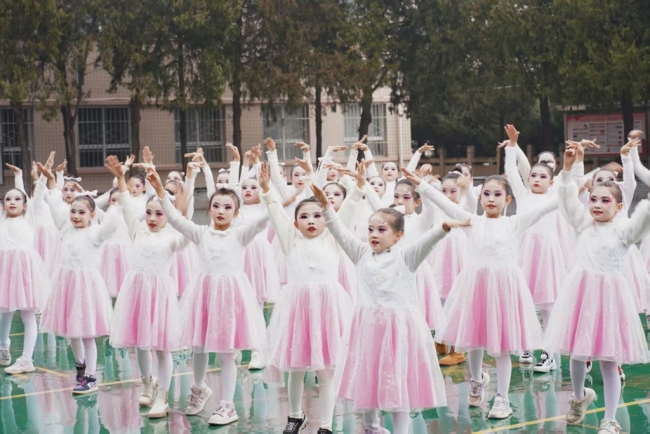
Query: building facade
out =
(103, 128)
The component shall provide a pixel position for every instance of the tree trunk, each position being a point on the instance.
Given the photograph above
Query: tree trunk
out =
(319, 122)
(545, 112)
(236, 116)
(628, 113)
(69, 138)
(182, 112)
(366, 117)
(136, 107)
(19, 115)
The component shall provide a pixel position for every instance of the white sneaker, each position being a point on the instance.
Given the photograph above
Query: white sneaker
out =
(149, 392)
(198, 398)
(526, 358)
(609, 427)
(224, 415)
(5, 358)
(577, 408)
(621, 374)
(477, 390)
(22, 366)
(546, 364)
(375, 431)
(257, 361)
(160, 408)
(500, 408)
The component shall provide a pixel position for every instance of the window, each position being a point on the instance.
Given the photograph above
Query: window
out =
(376, 131)
(205, 129)
(9, 136)
(287, 128)
(102, 132)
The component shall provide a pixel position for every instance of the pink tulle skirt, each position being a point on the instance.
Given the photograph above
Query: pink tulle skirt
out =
(540, 258)
(348, 276)
(636, 271)
(262, 270)
(447, 261)
(24, 282)
(428, 297)
(183, 267)
(307, 325)
(113, 266)
(595, 317)
(389, 361)
(491, 308)
(79, 305)
(48, 244)
(220, 313)
(146, 313)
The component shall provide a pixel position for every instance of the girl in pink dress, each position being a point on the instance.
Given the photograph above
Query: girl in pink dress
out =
(146, 310)
(389, 361)
(595, 316)
(313, 310)
(114, 260)
(219, 309)
(24, 281)
(79, 306)
(540, 252)
(490, 307)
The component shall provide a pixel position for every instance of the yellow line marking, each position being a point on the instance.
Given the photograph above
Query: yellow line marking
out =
(112, 383)
(16, 334)
(550, 419)
(49, 371)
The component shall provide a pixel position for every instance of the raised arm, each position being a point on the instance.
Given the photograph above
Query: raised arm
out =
(569, 204)
(278, 181)
(453, 210)
(516, 183)
(353, 247)
(638, 226)
(415, 159)
(129, 212)
(629, 182)
(523, 165)
(282, 226)
(247, 232)
(350, 206)
(417, 252)
(639, 169)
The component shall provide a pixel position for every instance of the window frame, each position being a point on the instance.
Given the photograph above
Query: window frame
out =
(121, 150)
(378, 144)
(215, 151)
(285, 145)
(14, 153)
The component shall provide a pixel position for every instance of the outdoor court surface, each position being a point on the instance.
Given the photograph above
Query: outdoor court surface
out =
(42, 402)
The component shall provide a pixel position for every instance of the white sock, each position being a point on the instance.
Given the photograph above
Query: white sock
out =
(91, 356)
(78, 350)
(228, 376)
(504, 371)
(165, 368)
(578, 370)
(144, 361)
(326, 397)
(475, 362)
(612, 388)
(31, 332)
(371, 420)
(199, 366)
(5, 329)
(401, 422)
(296, 388)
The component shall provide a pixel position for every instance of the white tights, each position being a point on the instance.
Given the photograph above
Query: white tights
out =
(165, 366)
(504, 369)
(326, 395)
(228, 372)
(85, 349)
(611, 380)
(401, 421)
(31, 331)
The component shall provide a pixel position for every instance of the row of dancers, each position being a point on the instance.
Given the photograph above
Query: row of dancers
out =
(361, 265)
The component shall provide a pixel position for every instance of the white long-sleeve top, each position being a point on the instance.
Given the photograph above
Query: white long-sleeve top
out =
(80, 248)
(385, 279)
(639, 169)
(602, 247)
(287, 191)
(151, 252)
(220, 252)
(491, 242)
(18, 233)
